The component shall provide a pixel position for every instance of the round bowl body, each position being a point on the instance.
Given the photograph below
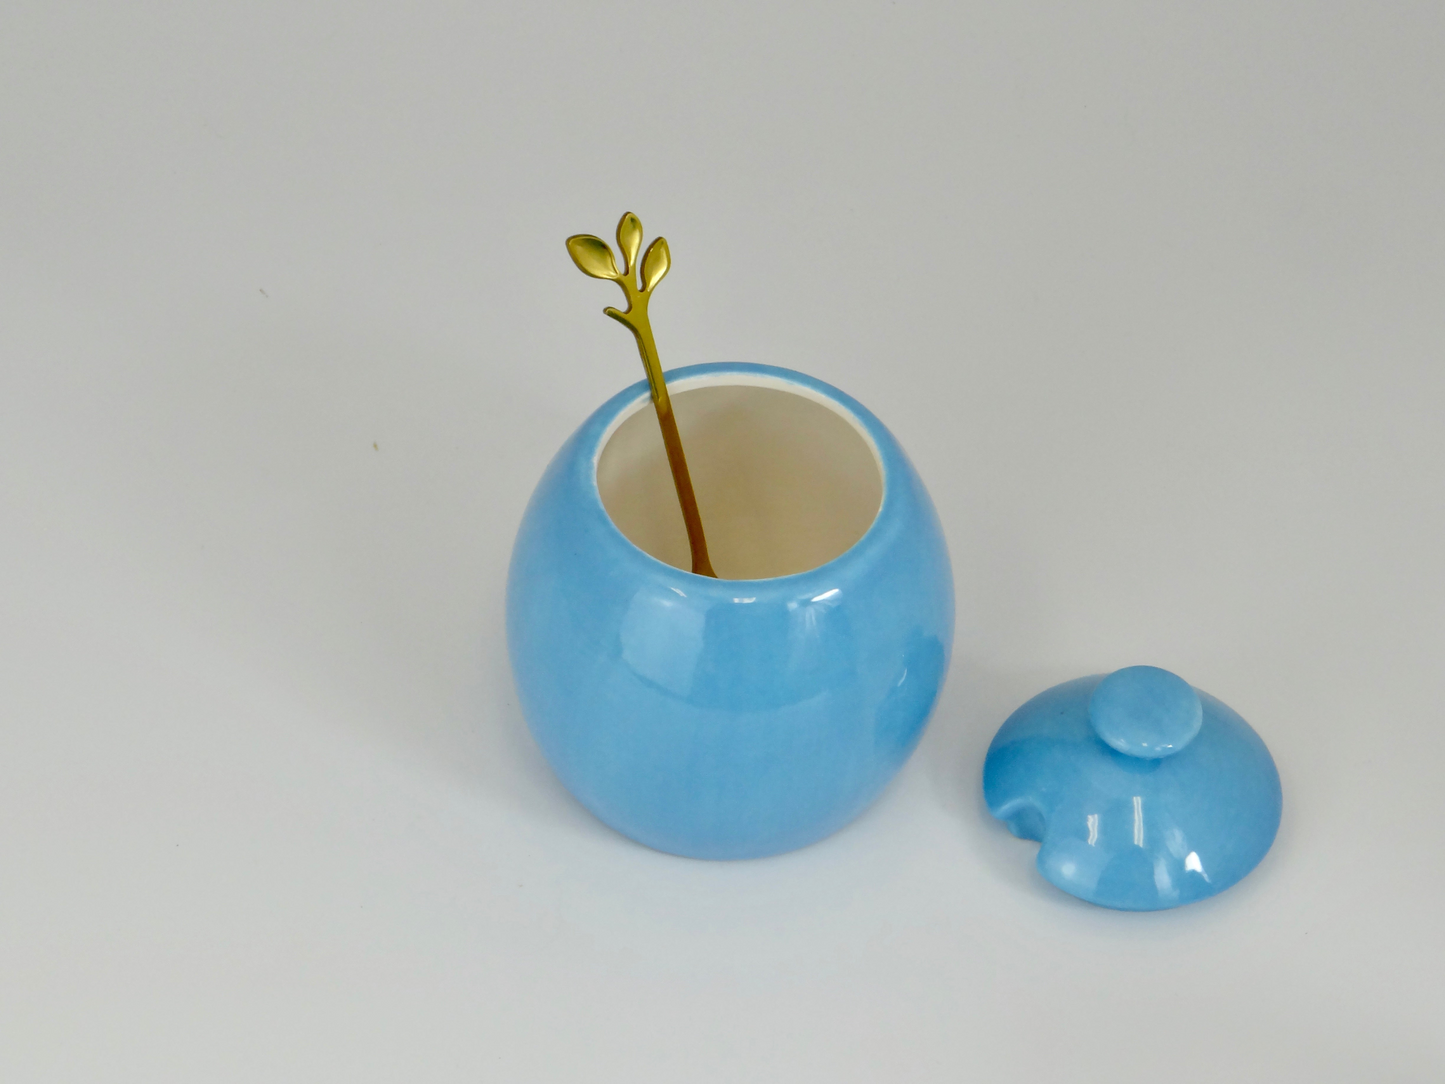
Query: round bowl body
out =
(726, 718)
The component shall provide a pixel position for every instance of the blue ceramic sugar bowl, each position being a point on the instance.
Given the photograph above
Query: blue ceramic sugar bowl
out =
(1143, 792)
(761, 711)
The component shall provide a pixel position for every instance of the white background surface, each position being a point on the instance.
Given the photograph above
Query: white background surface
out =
(1152, 293)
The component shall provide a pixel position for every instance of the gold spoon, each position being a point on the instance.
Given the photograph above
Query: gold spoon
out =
(594, 257)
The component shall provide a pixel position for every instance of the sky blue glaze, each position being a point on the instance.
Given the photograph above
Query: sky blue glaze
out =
(1145, 712)
(725, 718)
(1136, 833)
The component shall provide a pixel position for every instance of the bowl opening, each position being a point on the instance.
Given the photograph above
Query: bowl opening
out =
(786, 480)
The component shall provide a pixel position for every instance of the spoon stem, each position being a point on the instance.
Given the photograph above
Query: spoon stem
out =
(672, 441)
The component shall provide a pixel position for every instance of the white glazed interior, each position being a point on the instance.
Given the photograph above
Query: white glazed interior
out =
(786, 479)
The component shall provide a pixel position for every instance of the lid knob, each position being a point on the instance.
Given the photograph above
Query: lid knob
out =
(1143, 711)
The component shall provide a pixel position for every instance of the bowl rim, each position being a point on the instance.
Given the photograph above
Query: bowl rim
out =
(637, 397)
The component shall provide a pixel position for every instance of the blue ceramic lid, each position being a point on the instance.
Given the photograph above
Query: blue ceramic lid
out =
(1143, 792)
